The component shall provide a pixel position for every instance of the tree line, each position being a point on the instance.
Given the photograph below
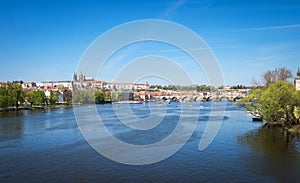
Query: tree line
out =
(95, 96)
(13, 95)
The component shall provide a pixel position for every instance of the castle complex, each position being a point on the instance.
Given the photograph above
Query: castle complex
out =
(82, 81)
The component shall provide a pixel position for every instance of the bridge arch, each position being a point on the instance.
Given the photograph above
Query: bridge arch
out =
(184, 98)
(237, 98)
(175, 99)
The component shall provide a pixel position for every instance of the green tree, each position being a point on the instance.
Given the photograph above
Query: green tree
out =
(15, 91)
(30, 97)
(40, 98)
(275, 103)
(99, 97)
(67, 96)
(4, 102)
(76, 96)
(116, 96)
(107, 96)
(53, 98)
(5, 99)
(204, 88)
(87, 96)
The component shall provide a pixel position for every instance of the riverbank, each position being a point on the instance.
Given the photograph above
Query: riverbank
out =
(293, 130)
(35, 107)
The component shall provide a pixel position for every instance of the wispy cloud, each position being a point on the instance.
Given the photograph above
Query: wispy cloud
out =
(262, 59)
(292, 26)
(173, 8)
(281, 57)
(173, 50)
(275, 8)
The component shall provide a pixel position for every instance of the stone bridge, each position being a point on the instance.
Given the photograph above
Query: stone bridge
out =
(204, 97)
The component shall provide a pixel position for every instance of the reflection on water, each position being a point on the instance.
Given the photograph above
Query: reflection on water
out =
(274, 152)
(11, 122)
(272, 140)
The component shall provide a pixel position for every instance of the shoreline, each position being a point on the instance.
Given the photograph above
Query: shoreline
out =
(22, 108)
(293, 130)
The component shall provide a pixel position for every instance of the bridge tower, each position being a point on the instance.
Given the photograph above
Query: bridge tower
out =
(297, 80)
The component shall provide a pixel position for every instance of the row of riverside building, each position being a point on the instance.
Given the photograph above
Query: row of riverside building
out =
(82, 82)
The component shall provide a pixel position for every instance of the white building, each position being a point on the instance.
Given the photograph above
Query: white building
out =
(59, 84)
(59, 94)
(117, 86)
(28, 85)
(141, 86)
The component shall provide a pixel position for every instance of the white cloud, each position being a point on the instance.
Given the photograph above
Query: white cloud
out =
(292, 26)
(173, 8)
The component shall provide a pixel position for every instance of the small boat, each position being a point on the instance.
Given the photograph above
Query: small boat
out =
(257, 119)
(255, 116)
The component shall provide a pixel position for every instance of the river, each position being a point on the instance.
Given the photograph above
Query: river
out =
(37, 146)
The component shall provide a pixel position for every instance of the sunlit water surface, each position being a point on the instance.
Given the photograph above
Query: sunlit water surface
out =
(37, 146)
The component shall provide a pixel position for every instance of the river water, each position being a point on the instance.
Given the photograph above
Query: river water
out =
(47, 146)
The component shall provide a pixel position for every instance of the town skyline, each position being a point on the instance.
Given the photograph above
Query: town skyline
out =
(89, 78)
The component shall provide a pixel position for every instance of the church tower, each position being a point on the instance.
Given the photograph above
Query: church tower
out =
(75, 77)
(297, 80)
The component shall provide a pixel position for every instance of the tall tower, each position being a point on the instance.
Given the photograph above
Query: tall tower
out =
(81, 77)
(297, 80)
(75, 77)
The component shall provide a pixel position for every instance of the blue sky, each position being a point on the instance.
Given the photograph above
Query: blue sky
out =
(44, 40)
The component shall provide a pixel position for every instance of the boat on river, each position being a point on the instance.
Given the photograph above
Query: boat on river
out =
(255, 116)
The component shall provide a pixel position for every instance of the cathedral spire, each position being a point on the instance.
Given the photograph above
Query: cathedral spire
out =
(75, 76)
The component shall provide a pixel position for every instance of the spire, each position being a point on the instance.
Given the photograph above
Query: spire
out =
(298, 73)
(75, 76)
